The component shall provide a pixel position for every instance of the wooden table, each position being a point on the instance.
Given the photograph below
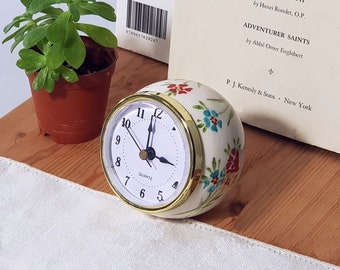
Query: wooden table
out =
(288, 196)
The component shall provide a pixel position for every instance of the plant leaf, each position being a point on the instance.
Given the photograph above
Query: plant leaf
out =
(26, 3)
(15, 23)
(30, 60)
(28, 66)
(75, 12)
(68, 74)
(38, 5)
(102, 9)
(34, 36)
(39, 80)
(55, 56)
(56, 32)
(99, 34)
(18, 36)
(74, 50)
(52, 11)
(49, 82)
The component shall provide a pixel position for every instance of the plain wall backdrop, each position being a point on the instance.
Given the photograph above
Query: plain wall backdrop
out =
(14, 87)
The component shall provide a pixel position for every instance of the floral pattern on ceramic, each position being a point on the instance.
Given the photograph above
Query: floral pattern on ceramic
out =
(219, 177)
(210, 118)
(223, 142)
(174, 89)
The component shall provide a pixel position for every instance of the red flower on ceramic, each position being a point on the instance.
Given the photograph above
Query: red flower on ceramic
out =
(233, 161)
(175, 89)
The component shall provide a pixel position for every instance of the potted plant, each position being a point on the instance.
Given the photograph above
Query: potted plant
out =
(63, 57)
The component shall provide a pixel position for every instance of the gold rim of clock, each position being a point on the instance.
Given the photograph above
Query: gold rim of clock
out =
(194, 139)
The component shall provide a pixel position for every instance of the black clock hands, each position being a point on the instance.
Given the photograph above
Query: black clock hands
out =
(164, 160)
(133, 138)
(140, 150)
(150, 154)
(149, 132)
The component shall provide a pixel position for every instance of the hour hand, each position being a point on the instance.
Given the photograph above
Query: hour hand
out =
(150, 154)
(164, 160)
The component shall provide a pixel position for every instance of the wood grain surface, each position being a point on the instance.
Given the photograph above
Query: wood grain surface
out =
(288, 195)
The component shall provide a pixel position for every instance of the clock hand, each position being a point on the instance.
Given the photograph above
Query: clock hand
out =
(140, 150)
(149, 132)
(164, 160)
(150, 154)
(133, 138)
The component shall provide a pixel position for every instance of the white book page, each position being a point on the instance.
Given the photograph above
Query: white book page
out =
(277, 62)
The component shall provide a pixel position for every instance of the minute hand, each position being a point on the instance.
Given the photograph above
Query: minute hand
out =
(133, 138)
(149, 133)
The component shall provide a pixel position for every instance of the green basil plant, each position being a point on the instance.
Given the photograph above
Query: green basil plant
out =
(49, 31)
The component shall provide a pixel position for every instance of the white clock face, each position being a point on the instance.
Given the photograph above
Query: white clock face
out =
(146, 154)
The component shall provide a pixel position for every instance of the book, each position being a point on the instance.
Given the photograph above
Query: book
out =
(144, 26)
(276, 62)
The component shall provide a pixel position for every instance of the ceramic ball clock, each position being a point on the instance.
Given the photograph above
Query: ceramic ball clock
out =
(172, 149)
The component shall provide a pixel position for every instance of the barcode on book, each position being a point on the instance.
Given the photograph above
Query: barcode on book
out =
(147, 19)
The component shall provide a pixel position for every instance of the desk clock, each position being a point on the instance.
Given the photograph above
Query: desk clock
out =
(173, 149)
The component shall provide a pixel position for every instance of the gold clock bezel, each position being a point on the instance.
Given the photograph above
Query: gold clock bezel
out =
(193, 136)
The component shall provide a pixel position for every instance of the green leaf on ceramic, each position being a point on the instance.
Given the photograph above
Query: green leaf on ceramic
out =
(198, 107)
(214, 164)
(200, 125)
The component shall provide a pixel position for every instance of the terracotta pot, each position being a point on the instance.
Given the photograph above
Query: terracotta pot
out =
(74, 112)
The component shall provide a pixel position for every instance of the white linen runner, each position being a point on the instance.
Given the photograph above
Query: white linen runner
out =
(51, 223)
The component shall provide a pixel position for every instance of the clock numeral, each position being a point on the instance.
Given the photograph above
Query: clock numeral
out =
(160, 196)
(158, 113)
(117, 140)
(140, 113)
(175, 185)
(127, 179)
(118, 160)
(142, 193)
(126, 123)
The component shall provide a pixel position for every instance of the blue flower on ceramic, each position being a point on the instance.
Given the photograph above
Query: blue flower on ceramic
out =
(210, 118)
(216, 177)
